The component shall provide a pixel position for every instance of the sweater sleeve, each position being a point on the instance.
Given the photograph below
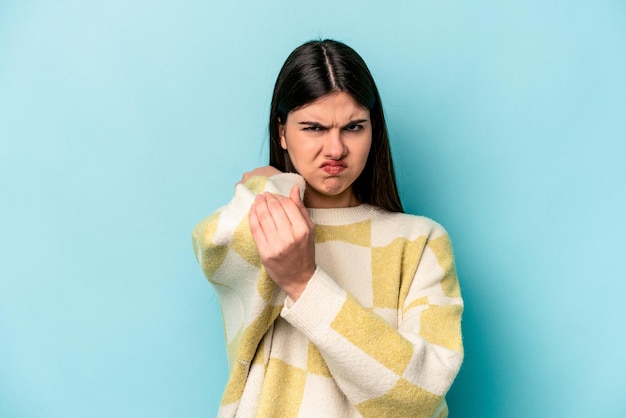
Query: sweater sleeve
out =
(226, 252)
(384, 370)
(227, 229)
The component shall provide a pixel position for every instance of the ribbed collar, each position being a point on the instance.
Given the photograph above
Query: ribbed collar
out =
(343, 216)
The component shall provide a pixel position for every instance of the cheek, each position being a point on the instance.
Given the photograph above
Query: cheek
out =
(300, 150)
(297, 158)
(365, 151)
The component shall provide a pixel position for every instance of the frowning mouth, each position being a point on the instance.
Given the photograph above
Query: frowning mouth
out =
(333, 167)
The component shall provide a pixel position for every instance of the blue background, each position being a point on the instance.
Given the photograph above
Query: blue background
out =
(123, 123)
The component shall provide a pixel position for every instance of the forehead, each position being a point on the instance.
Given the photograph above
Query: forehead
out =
(333, 107)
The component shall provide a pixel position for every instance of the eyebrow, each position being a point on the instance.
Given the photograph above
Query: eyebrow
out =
(352, 122)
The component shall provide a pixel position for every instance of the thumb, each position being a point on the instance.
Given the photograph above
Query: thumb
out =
(294, 196)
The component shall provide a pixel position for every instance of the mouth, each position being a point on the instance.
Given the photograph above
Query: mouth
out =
(333, 167)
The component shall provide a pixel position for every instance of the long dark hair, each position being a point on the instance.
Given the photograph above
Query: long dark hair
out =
(320, 67)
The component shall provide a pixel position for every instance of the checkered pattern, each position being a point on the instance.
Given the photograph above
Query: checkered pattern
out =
(376, 333)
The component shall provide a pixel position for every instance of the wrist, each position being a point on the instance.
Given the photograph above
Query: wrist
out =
(295, 288)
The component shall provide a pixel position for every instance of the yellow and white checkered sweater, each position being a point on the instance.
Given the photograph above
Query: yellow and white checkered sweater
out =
(376, 333)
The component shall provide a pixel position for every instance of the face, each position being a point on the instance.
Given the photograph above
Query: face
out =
(328, 142)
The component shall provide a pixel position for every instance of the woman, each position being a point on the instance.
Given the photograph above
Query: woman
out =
(335, 303)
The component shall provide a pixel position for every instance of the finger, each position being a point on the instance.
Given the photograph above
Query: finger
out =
(294, 196)
(298, 221)
(298, 215)
(244, 178)
(255, 228)
(277, 211)
(266, 220)
(276, 221)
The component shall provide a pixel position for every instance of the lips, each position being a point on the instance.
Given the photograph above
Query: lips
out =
(333, 167)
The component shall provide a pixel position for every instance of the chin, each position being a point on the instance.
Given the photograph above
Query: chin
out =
(332, 191)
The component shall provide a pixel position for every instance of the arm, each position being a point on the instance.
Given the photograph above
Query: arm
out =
(283, 233)
(381, 369)
(227, 228)
(229, 259)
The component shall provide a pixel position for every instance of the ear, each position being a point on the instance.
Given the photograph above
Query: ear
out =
(281, 135)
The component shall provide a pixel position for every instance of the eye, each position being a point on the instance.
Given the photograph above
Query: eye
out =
(312, 128)
(355, 127)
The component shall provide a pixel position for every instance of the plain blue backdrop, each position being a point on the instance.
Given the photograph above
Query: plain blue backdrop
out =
(123, 123)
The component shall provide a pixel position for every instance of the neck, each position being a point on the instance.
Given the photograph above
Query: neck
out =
(316, 200)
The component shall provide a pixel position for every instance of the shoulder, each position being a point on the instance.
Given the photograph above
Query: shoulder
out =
(393, 225)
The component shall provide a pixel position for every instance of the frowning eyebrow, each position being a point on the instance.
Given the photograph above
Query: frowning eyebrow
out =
(352, 122)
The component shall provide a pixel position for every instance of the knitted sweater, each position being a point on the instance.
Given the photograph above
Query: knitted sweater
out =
(376, 332)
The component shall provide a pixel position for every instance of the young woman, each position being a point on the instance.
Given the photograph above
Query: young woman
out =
(335, 302)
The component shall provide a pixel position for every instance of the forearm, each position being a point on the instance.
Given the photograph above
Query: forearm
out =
(229, 259)
(375, 364)
(228, 228)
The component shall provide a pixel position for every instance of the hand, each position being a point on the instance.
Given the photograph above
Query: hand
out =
(283, 233)
(266, 171)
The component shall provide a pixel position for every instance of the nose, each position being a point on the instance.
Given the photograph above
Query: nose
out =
(334, 146)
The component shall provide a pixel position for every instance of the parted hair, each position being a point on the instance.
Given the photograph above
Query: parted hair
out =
(320, 67)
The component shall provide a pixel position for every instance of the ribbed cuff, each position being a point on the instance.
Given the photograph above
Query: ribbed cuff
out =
(283, 182)
(316, 307)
